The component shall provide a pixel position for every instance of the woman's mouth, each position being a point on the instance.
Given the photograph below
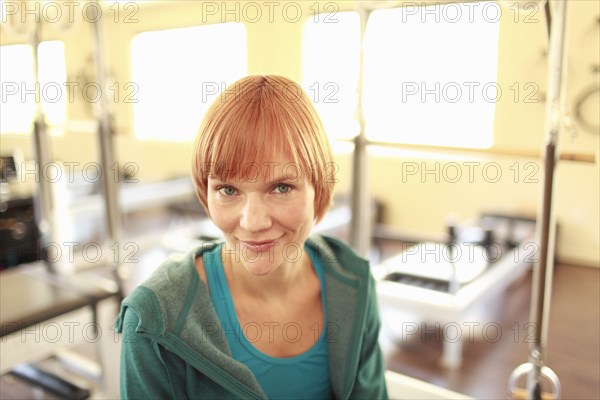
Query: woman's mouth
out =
(259, 246)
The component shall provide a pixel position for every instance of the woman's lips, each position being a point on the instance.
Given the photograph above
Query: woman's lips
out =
(263, 245)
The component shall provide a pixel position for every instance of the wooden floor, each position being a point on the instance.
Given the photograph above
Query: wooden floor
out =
(573, 347)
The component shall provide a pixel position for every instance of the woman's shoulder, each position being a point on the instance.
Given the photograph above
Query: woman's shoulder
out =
(161, 298)
(337, 256)
(171, 273)
(177, 272)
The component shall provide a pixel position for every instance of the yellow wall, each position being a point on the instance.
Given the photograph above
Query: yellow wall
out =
(413, 203)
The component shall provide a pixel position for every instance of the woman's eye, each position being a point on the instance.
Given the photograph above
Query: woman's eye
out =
(281, 188)
(227, 191)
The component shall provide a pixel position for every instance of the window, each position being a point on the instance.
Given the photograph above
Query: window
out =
(19, 100)
(331, 57)
(178, 73)
(429, 73)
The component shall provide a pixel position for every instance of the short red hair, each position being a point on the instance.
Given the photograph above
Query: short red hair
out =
(254, 119)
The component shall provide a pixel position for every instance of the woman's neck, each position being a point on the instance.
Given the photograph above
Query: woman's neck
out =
(276, 284)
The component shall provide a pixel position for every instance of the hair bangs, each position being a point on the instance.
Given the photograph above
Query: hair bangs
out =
(259, 134)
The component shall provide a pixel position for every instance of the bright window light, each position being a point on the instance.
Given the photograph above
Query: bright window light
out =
(19, 100)
(430, 75)
(178, 73)
(331, 56)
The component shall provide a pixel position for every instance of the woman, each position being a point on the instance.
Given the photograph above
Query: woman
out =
(269, 312)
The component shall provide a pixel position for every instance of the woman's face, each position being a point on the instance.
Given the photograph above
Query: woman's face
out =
(266, 214)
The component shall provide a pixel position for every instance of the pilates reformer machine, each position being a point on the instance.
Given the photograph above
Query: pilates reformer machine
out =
(451, 283)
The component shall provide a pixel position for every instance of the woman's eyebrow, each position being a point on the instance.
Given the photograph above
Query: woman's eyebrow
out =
(217, 181)
(287, 179)
(282, 178)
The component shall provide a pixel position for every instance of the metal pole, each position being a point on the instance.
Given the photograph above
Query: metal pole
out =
(361, 224)
(110, 182)
(542, 282)
(543, 270)
(43, 200)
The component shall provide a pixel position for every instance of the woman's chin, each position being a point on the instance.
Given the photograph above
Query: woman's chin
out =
(259, 269)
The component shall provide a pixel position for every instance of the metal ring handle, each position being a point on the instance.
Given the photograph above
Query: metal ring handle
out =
(524, 370)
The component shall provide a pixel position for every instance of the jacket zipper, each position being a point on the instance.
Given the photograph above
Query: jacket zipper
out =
(209, 369)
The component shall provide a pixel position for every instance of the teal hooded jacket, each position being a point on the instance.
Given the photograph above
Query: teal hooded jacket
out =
(173, 345)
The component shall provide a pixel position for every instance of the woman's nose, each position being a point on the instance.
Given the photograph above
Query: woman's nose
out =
(255, 214)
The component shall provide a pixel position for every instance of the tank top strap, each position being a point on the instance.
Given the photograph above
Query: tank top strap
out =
(217, 282)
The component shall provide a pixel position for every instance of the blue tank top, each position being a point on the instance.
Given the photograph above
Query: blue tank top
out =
(305, 376)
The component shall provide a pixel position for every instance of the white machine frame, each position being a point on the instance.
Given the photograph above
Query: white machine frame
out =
(447, 308)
